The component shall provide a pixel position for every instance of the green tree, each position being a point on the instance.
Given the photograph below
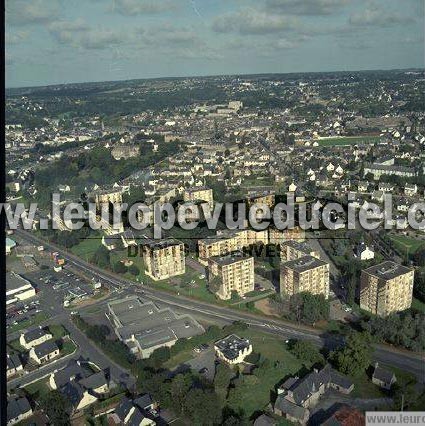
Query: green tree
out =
(56, 407)
(119, 267)
(203, 407)
(355, 357)
(307, 352)
(179, 389)
(134, 270)
(102, 257)
(223, 375)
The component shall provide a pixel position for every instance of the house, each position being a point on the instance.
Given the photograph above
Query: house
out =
(382, 377)
(127, 238)
(232, 349)
(345, 416)
(128, 413)
(18, 409)
(109, 242)
(44, 352)
(385, 187)
(34, 338)
(265, 420)
(410, 190)
(74, 370)
(13, 365)
(97, 383)
(10, 244)
(79, 397)
(64, 188)
(297, 396)
(363, 186)
(378, 196)
(363, 252)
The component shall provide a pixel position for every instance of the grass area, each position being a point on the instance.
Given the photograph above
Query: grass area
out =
(406, 245)
(37, 389)
(364, 388)
(86, 248)
(348, 140)
(418, 305)
(68, 347)
(253, 393)
(32, 321)
(58, 331)
(178, 359)
(15, 346)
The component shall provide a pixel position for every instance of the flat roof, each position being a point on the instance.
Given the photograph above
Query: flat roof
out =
(150, 325)
(304, 263)
(230, 258)
(231, 345)
(387, 270)
(15, 281)
(298, 245)
(161, 244)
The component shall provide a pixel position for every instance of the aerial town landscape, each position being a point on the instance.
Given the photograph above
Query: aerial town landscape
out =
(150, 319)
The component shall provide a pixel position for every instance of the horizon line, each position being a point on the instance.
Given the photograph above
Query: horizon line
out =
(212, 76)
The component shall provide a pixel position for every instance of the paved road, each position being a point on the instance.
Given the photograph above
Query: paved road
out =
(407, 361)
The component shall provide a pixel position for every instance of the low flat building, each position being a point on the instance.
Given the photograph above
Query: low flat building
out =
(231, 273)
(143, 327)
(305, 274)
(18, 288)
(164, 259)
(232, 349)
(386, 288)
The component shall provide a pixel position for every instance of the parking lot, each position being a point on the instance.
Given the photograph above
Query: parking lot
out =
(63, 286)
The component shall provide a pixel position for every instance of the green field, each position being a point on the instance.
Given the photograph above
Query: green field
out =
(35, 320)
(348, 140)
(87, 247)
(406, 245)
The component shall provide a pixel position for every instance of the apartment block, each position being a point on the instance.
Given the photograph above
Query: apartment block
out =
(292, 250)
(278, 236)
(229, 241)
(305, 274)
(201, 193)
(233, 272)
(386, 288)
(266, 198)
(164, 259)
(107, 196)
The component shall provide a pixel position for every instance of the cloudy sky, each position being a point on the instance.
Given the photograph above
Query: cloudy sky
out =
(63, 41)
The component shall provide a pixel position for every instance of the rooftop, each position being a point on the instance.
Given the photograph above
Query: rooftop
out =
(387, 270)
(304, 263)
(231, 345)
(228, 259)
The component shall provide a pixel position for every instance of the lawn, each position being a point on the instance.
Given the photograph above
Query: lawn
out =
(178, 359)
(348, 140)
(58, 331)
(406, 245)
(32, 321)
(86, 248)
(68, 347)
(253, 393)
(37, 389)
